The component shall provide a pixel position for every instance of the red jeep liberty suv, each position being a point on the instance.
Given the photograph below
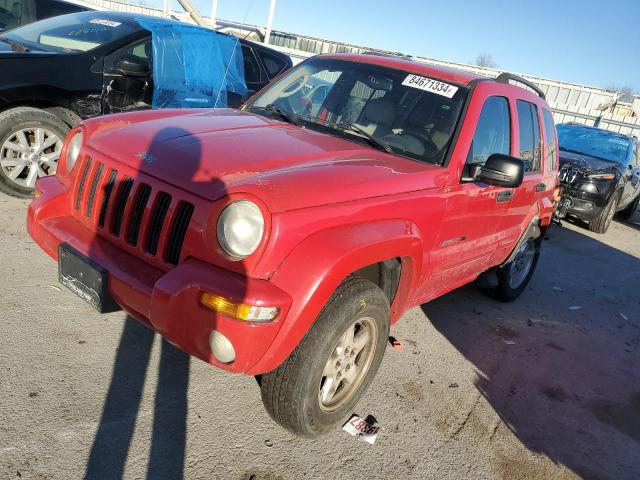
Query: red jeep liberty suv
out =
(282, 240)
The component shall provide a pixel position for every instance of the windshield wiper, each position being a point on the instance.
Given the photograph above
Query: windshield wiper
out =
(286, 116)
(15, 46)
(373, 140)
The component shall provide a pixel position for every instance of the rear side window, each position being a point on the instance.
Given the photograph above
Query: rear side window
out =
(552, 142)
(273, 64)
(251, 67)
(529, 135)
(493, 133)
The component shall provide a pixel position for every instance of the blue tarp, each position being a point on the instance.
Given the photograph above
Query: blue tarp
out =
(193, 67)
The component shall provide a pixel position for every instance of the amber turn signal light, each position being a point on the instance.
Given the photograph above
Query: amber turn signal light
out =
(238, 310)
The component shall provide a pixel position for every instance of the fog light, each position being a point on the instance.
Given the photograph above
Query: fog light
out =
(238, 310)
(589, 187)
(582, 204)
(221, 347)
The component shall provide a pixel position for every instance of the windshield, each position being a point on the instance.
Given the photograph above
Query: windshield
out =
(76, 32)
(596, 143)
(389, 109)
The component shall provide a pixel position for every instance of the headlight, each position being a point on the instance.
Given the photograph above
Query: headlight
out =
(601, 176)
(73, 150)
(240, 228)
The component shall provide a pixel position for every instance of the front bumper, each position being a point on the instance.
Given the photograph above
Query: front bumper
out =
(581, 204)
(166, 301)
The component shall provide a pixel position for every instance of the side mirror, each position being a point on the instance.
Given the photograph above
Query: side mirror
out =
(501, 171)
(132, 66)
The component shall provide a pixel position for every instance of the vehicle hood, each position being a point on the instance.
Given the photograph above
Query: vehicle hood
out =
(213, 153)
(587, 161)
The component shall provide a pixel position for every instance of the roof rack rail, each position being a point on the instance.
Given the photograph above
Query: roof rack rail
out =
(505, 77)
(387, 54)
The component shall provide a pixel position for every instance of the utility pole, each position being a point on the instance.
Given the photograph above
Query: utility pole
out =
(193, 12)
(272, 8)
(214, 11)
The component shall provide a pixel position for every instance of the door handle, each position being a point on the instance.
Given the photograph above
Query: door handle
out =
(504, 196)
(541, 187)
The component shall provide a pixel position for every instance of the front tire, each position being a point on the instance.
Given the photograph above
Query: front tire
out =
(318, 386)
(30, 144)
(601, 223)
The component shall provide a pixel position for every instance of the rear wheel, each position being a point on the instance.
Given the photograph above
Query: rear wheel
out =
(30, 145)
(630, 209)
(514, 276)
(317, 387)
(601, 223)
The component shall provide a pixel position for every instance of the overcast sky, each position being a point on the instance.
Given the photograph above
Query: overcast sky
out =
(581, 41)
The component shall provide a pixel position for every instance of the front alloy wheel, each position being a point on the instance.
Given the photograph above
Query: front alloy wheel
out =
(316, 389)
(28, 154)
(30, 145)
(348, 364)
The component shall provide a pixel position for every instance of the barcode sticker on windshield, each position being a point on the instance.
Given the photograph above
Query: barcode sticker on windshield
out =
(106, 23)
(430, 85)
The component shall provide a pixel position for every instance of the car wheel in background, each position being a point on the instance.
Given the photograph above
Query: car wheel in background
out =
(630, 209)
(601, 223)
(67, 116)
(30, 144)
(513, 277)
(318, 386)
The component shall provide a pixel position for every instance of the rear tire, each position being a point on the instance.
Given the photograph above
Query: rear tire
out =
(601, 223)
(513, 277)
(26, 151)
(630, 209)
(318, 386)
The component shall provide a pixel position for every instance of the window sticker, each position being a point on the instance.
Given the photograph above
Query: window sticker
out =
(430, 85)
(108, 23)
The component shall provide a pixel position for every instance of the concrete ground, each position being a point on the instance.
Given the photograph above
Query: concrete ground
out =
(531, 389)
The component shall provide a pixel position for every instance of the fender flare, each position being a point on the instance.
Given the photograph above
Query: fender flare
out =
(531, 232)
(320, 263)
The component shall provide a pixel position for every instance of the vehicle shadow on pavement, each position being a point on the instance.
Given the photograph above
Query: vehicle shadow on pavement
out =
(560, 366)
(113, 438)
(633, 222)
(117, 424)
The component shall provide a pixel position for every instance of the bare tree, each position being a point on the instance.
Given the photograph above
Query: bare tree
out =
(626, 91)
(485, 60)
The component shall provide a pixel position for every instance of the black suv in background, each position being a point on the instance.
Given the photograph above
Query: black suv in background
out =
(61, 70)
(599, 175)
